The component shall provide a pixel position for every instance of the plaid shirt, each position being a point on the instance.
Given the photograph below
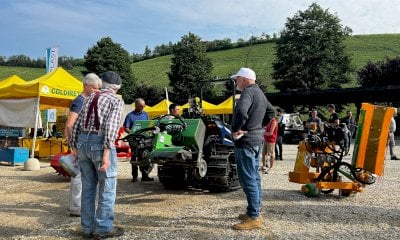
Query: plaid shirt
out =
(109, 113)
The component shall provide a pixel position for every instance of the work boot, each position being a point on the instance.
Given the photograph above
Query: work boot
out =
(147, 179)
(115, 232)
(248, 224)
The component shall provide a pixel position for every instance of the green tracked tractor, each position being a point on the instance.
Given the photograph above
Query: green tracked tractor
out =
(192, 152)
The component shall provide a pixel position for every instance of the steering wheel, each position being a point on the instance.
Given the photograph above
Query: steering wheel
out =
(171, 127)
(139, 135)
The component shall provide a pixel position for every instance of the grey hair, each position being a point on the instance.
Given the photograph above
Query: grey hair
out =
(91, 79)
(139, 100)
(113, 87)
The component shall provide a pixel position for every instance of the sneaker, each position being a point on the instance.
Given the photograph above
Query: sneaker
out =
(394, 158)
(248, 224)
(116, 232)
(266, 170)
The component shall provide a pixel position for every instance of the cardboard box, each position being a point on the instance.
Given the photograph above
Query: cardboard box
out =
(14, 155)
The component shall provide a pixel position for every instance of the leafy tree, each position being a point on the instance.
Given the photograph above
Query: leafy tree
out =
(190, 68)
(149, 92)
(147, 52)
(380, 73)
(310, 52)
(109, 56)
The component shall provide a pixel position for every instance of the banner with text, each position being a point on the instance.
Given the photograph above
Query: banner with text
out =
(51, 59)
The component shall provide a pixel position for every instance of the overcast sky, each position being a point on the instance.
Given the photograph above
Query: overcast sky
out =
(28, 27)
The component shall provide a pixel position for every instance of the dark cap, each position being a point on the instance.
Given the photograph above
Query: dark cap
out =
(331, 106)
(111, 78)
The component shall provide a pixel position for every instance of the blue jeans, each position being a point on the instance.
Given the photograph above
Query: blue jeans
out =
(247, 160)
(90, 155)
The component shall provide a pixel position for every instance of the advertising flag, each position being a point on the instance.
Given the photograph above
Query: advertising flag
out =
(51, 59)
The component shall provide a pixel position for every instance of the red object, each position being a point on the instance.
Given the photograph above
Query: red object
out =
(123, 148)
(55, 163)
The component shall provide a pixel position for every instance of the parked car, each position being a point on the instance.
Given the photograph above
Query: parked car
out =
(294, 128)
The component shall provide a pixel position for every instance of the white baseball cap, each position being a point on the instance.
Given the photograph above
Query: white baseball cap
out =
(245, 72)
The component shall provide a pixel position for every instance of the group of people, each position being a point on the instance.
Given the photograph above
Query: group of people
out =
(95, 117)
(347, 123)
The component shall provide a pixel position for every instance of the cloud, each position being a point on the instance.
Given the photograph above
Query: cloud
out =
(77, 24)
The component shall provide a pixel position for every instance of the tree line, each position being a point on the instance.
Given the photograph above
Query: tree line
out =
(158, 51)
(211, 46)
(25, 61)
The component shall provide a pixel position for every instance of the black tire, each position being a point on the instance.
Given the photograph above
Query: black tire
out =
(172, 177)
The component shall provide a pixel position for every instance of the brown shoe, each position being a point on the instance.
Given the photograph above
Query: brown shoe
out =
(248, 224)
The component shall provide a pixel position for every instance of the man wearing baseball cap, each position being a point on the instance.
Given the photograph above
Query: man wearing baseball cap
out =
(93, 137)
(251, 111)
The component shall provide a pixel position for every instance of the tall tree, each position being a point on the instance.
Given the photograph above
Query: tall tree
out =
(109, 56)
(310, 53)
(190, 67)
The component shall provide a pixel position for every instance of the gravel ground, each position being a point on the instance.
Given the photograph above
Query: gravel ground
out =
(34, 206)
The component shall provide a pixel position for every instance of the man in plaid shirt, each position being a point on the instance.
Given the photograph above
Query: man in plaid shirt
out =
(93, 137)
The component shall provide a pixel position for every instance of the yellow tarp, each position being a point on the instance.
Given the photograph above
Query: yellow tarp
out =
(159, 109)
(57, 89)
(208, 108)
(226, 107)
(14, 79)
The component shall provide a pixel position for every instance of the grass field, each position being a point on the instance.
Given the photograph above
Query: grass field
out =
(153, 72)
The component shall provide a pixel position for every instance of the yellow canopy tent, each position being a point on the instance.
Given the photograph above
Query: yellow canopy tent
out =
(226, 107)
(208, 108)
(56, 89)
(19, 103)
(160, 108)
(14, 79)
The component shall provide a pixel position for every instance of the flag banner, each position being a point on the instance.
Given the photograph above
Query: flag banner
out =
(51, 59)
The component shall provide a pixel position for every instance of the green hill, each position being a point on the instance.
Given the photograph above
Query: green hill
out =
(33, 73)
(153, 72)
(362, 48)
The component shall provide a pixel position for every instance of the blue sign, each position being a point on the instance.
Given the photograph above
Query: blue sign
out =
(9, 132)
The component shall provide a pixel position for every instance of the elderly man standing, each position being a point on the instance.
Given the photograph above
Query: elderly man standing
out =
(247, 131)
(93, 137)
(130, 119)
(91, 83)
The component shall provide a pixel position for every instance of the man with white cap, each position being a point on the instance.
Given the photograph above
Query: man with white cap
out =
(93, 137)
(251, 112)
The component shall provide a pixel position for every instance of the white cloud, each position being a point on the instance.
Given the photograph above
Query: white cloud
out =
(78, 24)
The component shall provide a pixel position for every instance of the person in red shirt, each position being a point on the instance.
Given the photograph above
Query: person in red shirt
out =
(270, 136)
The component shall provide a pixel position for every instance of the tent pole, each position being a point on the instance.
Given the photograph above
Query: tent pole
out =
(36, 127)
(167, 102)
